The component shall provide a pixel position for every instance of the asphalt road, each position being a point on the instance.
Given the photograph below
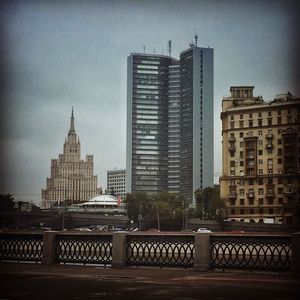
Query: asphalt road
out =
(38, 282)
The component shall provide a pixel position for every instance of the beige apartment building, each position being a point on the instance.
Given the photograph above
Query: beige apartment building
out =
(72, 178)
(260, 179)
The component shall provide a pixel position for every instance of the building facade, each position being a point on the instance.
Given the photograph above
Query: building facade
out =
(260, 179)
(170, 122)
(196, 120)
(116, 183)
(72, 179)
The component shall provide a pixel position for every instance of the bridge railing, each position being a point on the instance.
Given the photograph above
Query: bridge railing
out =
(201, 251)
(21, 247)
(256, 252)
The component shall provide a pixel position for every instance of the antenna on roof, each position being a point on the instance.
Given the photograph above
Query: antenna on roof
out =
(169, 47)
(196, 39)
(144, 48)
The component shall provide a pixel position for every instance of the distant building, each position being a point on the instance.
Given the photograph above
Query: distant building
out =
(116, 183)
(72, 179)
(260, 179)
(170, 122)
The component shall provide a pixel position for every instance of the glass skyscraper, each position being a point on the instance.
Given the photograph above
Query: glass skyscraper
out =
(170, 122)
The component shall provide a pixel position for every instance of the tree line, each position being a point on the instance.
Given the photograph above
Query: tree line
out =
(165, 210)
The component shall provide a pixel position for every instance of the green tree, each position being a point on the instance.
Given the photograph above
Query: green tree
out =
(7, 202)
(136, 204)
(209, 205)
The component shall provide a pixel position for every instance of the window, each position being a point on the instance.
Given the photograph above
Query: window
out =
(241, 124)
(260, 161)
(279, 152)
(241, 116)
(279, 120)
(260, 152)
(241, 163)
(279, 142)
(250, 123)
(232, 125)
(259, 115)
(289, 119)
(280, 200)
(259, 122)
(260, 171)
(269, 122)
(280, 190)
(269, 113)
(241, 144)
(260, 142)
(241, 154)
(232, 211)
(242, 192)
(250, 116)
(260, 132)
(251, 201)
(260, 191)
(280, 180)
(231, 117)
(241, 211)
(241, 134)
(261, 201)
(242, 201)
(279, 161)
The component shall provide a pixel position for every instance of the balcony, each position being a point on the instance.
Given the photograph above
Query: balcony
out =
(269, 146)
(269, 136)
(231, 148)
(231, 139)
(232, 195)
(250, 195)
(270, 194)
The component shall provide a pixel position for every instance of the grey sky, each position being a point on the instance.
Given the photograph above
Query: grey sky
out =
(57, 55)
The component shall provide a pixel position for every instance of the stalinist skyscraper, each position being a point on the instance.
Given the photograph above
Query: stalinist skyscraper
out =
(71, 178)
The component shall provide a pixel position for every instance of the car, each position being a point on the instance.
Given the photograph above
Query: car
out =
(203, 230)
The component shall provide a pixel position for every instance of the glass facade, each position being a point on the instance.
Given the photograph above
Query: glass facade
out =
(170, 122)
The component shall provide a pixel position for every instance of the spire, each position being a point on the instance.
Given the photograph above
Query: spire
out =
(72, 127)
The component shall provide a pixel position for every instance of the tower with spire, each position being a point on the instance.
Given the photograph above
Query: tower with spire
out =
(72, 179)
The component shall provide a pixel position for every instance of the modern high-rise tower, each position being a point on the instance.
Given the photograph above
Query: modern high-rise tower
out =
(170, 122)
(196, 120)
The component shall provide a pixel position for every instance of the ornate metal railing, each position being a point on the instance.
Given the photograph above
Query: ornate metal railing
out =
(84, 248)
(156, 250)
(251, 252)
(21, 247)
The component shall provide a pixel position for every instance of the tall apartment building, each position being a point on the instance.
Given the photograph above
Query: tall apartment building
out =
(260, 179)
(116, 183)
(170, 122)
(71, 177)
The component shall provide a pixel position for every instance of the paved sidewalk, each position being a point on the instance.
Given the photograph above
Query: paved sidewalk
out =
(35, 281)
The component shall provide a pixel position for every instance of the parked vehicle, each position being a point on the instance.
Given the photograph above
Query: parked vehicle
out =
(203, 230)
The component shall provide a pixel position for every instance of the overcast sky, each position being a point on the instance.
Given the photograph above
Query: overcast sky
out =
(56, 55)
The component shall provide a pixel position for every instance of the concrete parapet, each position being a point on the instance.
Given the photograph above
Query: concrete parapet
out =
(202, 251)
(119, 250)
(296, 253)
(49, 239)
